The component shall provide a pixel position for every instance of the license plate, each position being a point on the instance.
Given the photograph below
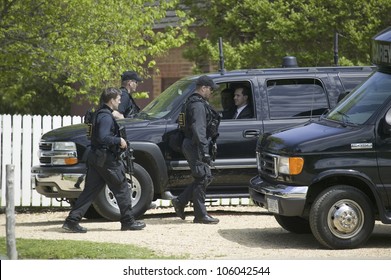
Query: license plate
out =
(272, 205)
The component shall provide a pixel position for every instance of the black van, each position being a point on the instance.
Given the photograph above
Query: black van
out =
(332, 176)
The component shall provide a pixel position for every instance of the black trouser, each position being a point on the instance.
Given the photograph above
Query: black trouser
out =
(202, 175)
(111, 173)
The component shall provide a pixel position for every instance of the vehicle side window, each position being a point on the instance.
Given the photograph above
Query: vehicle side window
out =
(296, 98)
(223, 99)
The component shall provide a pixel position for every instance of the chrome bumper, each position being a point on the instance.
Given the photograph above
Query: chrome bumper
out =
(53, 183)
(279, 199)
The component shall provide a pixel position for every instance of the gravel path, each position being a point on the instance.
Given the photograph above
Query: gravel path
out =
(244, 232)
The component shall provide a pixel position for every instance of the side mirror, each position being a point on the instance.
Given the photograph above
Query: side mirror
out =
(387, 118)
(387, 123)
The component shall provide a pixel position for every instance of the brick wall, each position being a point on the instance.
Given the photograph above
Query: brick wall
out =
(172, 68)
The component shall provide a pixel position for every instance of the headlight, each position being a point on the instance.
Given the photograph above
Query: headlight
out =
(290, 165)
(64, 153)
(64, 146)
(58, 153)
(64, 160)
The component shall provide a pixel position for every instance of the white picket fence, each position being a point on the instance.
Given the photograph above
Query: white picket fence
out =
(19, 143)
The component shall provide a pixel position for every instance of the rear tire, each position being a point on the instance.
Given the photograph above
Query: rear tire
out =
(293, 224)
(141, 195)
(342, 217)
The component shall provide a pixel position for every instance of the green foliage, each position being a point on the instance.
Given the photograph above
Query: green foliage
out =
(78, 47)
(258, 33)
(67, 249)
(36, 97)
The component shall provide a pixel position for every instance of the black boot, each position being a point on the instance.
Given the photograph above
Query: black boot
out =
(207, 219)
(179, 209)
(73, 227)
(136, 225)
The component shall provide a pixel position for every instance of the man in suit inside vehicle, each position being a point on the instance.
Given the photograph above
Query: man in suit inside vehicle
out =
(242, 98)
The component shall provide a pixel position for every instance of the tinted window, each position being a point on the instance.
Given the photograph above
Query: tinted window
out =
(350, 82)
(364, 102)
(296, 98)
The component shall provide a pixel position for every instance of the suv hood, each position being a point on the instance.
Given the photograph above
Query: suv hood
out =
(66, 133)
(321, 136)
(78, 132)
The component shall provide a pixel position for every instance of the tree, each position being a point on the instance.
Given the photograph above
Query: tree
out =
(75, 48)
(259, 33)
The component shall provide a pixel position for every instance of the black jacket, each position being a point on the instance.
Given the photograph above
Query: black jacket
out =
(105, 130)
(196, 122)
(246, 113)
(128, 106)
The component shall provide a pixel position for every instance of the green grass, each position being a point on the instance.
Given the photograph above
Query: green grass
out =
(69, 249)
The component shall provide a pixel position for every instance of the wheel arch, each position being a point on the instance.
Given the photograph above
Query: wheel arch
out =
(150, 157)
(353, 178)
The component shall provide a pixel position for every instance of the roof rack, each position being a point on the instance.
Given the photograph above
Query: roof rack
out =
(309, 69)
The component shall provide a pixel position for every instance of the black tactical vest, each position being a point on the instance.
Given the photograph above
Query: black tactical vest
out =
(91, 119)
(212, 117)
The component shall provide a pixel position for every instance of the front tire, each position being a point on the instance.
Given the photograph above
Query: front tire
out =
(342, 217)
(293, 224)
(141, 195)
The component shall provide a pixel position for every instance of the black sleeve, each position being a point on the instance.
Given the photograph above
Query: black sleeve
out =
(198, 125)
(105, 136)
(125, 103)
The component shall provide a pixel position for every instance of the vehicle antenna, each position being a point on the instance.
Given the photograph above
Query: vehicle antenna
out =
(336, 48)
(221, 55)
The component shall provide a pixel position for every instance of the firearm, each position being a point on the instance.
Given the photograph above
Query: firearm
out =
(128, 158)
(212, 132)
(213, 147)
(88, 120)
(79, 181)
(127, 155)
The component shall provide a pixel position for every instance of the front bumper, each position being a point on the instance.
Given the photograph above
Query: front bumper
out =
(59, 182)
(279, 199)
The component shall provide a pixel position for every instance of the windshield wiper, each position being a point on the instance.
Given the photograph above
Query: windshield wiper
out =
(141, 115)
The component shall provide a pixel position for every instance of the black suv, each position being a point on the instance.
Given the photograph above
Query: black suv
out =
(280, 98)
(332, 176)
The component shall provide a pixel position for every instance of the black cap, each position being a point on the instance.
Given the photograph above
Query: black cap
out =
(206, 81)
(130, 75)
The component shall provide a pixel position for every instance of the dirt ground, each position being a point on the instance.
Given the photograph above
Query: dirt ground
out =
(244, 232)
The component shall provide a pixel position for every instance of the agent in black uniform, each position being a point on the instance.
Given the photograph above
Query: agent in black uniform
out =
(105, 167)
(199, 116)
(128, 107)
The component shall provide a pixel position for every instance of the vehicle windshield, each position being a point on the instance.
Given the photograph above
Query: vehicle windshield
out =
(361, 104)
(162, 105)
